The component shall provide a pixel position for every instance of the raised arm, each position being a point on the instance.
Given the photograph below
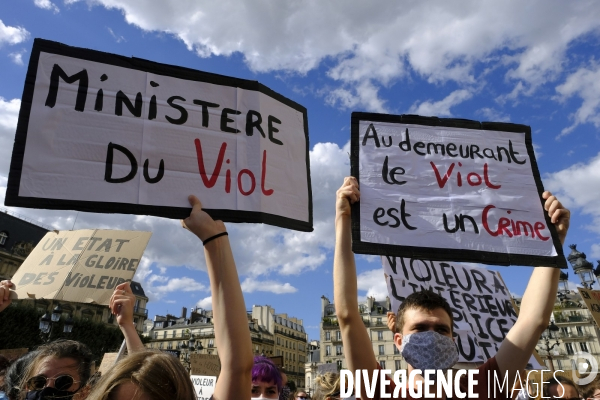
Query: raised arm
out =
(357, 343)
(122, 302)
(229, 311)
(537, 304)
(5, 294)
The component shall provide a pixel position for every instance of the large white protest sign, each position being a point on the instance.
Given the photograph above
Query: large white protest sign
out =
(452, 190)
(204, 386)
(82, 266)
(482, 308)
(105, 133)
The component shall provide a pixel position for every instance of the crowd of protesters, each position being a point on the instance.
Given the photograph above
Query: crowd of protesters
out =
(63, 368)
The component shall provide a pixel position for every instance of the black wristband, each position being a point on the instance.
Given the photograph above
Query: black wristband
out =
(218, 235)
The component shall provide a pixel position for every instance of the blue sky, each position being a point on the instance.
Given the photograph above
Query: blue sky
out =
(482, 60)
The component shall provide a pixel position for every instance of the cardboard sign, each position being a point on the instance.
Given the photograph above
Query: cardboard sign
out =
(453, 190)
(481, 303)
(13, 354)
(82, 266)
(108, 361)
(100, 132)
(205, 364)
(592, 302)
(204, 386)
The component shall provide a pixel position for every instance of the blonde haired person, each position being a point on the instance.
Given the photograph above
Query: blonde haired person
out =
(145, 375)
(327, 386)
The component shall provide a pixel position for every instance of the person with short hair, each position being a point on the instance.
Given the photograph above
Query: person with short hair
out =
(59, 369)
(424, 321)
(300, 395)
(267, 381)
(560, 387)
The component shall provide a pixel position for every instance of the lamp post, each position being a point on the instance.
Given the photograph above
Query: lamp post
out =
(582, 267)
(548, 336)
(563, 286)
(48, 321)
(188, 349)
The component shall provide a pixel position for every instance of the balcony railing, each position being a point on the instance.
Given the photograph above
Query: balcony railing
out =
(139, 310)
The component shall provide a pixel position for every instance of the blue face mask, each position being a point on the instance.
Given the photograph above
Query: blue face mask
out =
(49, 393)
(429, 350)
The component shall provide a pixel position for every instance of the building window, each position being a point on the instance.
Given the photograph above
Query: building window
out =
(170, 346)
(382, 363)
(583, 346)
(327, 335)
(396, 351)
(160, 345)
(338, 335)
(327, 350)
(397, 364)
(3, 238)
(278, 341)
(155, 335)
(569, 347)
(381, 351)
(164, 334)
(339, 364)
(580, 331)
(211, 343)
(380, 335)
(379, 323)
(338, 350)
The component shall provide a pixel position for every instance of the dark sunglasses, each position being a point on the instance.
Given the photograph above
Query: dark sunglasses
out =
(38, 382)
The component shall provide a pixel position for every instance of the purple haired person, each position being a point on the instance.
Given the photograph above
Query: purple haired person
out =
(266, 379)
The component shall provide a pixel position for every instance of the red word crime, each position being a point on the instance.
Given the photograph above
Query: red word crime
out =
(510, 228)
(473, 178)
(209, 182)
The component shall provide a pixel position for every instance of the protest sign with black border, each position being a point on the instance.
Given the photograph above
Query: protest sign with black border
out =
(100, 132)
(449, 189)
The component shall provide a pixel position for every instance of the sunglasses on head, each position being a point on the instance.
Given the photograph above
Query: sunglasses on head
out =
(62, 382)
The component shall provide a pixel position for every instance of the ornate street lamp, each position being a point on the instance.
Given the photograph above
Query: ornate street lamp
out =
(548, 335)
(56, 313)
(45, 322)
(563, 285)
(68, 326)
(582, 267)
(49, 320)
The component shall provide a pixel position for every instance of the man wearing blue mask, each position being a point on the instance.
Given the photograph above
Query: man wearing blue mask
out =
(424, 323)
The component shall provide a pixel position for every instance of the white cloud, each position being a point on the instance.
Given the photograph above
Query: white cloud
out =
(584, 83)
(47, 5)
(490, 114)
(11, 34)
(250, 285)
(9, 114)
(157, 286)
(579, 187)
(595, 251)
(374, 283)
(368, 47)
(205, 303)
(17, 56)
(118, 38)
(441, 108)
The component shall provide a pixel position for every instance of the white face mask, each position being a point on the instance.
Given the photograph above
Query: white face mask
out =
(429, 350)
